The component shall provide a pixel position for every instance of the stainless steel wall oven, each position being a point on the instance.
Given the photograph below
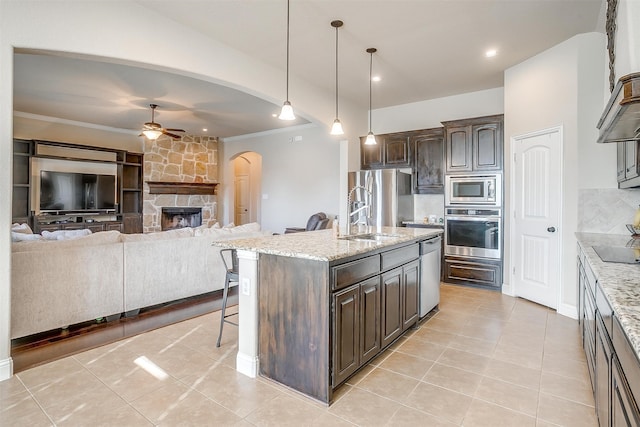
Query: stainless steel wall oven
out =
(473, 232)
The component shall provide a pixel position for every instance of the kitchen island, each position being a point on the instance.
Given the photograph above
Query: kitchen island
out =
(315, 308)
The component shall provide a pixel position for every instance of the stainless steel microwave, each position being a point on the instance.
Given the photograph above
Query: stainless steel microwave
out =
(473, 190)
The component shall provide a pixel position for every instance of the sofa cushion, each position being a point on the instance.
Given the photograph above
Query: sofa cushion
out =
(101, 238)
(65, 234)
(21, 228)
(161, 235)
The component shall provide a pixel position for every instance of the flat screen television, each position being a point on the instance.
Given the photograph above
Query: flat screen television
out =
(76, 192)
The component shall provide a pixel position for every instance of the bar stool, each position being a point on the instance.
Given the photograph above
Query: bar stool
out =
(231, 276)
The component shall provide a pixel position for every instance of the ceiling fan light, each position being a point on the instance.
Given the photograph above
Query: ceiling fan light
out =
(152, 134)
(336, 129)
(371, 139)
(287, 112)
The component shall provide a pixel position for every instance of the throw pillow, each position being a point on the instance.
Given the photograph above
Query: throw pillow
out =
(21, 228)
(23, 237)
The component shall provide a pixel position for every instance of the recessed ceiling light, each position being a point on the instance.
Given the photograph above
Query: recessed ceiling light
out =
(491, 53)
(204, 129)
(376, 78)
(274, 115)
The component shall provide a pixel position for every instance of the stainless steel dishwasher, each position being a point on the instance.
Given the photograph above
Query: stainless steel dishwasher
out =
(430, 255)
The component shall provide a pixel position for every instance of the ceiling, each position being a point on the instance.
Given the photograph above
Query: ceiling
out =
(426, 49)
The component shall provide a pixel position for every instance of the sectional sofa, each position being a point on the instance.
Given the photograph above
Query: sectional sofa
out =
(55, 284)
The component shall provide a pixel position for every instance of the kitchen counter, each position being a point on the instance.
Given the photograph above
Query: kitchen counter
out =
(314, 308)
(322, 245)
(619, 282)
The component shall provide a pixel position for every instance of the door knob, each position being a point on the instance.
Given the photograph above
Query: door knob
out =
(551, 229)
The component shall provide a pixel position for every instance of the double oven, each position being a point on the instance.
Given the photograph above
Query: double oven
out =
(473, 216)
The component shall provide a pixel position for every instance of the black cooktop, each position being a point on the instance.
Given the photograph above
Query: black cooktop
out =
(618, 254)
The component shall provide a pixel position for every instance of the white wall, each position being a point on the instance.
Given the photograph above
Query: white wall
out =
(627, 38)
(120, 31)
(299, 178)
(429, 114)
(561, 87)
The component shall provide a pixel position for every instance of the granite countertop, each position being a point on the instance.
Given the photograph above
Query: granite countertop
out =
(619, 282)
(322, 245)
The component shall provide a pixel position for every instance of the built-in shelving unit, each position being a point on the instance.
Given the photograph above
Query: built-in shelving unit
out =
(127, 217)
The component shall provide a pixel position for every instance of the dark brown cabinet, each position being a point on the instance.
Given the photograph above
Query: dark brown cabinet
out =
(21, 196)
(613, 366)
(356, 327)
(476, 271)
(474, 144)
(391, 306)
(628, 165)
(131, 197)
(428, 173)
(392, 150)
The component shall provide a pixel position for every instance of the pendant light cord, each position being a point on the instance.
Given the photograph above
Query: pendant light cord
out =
(370, 77)
(287, 50)
(337, 72)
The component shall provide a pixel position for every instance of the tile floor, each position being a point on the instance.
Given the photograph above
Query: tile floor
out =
(484, 359)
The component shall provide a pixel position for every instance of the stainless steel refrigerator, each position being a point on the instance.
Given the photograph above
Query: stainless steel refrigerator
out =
(380, 197)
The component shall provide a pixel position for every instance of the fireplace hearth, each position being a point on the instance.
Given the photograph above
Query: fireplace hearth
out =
(181, 217)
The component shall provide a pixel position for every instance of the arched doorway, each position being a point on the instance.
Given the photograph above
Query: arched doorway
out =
(247, 175)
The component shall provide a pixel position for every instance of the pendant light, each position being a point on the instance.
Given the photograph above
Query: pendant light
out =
(336, 129)
(287, 110)
(371, 139)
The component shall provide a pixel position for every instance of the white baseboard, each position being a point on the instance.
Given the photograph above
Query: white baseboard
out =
(6, 369)
(247, 365)
(507, 289)
(568, 310)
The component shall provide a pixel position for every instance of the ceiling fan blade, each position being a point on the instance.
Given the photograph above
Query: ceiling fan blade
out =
(175, 130)
(172, 135)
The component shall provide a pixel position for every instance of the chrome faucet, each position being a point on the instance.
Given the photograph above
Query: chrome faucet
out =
(364, 207)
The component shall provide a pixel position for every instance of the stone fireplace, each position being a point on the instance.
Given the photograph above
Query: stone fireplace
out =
(174, 218)
(180, 174)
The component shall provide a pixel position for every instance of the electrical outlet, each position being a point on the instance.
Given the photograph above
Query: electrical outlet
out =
(246, 286)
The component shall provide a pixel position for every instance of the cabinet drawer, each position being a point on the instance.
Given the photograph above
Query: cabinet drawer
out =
(397, 257)
(355, 271)
(604, 309)
(472, 272)
(627, 358)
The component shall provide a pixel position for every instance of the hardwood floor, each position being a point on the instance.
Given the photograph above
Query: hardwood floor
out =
(45, 347)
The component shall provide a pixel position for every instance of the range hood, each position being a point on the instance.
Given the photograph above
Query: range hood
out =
(620, 120)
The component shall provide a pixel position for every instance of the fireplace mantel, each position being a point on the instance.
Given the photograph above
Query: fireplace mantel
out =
(157, 187)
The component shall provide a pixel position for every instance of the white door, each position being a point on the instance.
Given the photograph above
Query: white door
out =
(536, 195)
(242, 194)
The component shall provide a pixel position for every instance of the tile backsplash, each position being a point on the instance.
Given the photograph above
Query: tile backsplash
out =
(607, 210)
(428, 204)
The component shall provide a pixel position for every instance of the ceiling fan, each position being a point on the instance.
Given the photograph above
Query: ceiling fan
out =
(153, 130)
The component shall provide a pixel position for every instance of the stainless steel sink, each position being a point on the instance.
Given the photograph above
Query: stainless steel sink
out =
(370, 237)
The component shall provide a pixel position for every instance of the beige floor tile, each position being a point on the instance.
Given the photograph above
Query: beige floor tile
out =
(104, 415)
(440, 402)
(502, 314)
(364, 371)
(453, 379)
(233, 390)
(489, 330)
(21, 409)
(174, 403)
(10, 387)
(484, 414)
(528, 358)
(565, 412)
(49, 372)
(422, 349)
(508, 395)
(435, 336)
(389, 384)
(464, 360)
(408, 417)
(180, 361)
(514, 374)
(446, 325)
(288, 411)
(364, 408)
(564, 366)
(406, 364)
(473, 345)
(568, 388)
